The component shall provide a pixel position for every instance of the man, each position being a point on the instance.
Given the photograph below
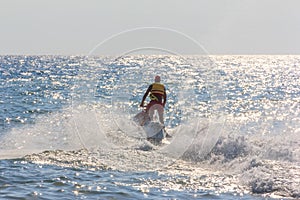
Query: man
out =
(158, 99)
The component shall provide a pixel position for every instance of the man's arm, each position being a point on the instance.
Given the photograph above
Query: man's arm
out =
(145, 95)
(165, 98)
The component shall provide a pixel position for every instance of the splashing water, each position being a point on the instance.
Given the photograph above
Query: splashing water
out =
(235, 125)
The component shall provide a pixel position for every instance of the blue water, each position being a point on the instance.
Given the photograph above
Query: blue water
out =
(66, 128)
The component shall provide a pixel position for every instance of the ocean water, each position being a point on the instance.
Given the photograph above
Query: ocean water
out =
(66, 128)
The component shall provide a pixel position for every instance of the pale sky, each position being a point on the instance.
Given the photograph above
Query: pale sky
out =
(73, 27)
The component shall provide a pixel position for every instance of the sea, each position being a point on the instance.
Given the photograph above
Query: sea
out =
(67, 128)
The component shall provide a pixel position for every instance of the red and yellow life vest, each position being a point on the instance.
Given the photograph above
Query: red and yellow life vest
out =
(158, 88)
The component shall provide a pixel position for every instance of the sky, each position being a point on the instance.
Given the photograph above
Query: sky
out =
(77, 27)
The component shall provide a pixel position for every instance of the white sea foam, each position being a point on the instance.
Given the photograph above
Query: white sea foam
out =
(234, 129)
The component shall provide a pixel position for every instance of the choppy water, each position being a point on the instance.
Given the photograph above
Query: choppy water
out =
(66, 129)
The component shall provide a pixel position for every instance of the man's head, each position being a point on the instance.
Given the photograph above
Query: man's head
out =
(157, 79)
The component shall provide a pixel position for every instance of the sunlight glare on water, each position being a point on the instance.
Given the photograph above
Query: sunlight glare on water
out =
(235, 127)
